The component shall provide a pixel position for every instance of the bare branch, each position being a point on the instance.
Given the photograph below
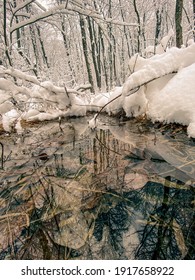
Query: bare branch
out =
(19, 74)
(69, 7)
(83, 87)
(40, 6)
(21, 6)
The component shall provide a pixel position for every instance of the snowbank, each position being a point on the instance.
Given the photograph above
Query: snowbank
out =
(166, 87)
(161, 87)
(43, 101)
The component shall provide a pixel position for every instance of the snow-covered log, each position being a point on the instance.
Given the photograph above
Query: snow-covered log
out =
(11, 88)
(15, 73)
(161, 87)
(36, 101)
(166, 85)
(158, 66)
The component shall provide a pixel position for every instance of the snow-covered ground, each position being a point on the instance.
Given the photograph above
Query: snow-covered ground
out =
(161, 87)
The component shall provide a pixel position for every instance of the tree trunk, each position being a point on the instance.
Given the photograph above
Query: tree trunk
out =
(125, 30)
(158, 26)
(5, 33)
(66, 47)
(85, 50)
(139, 26)
(178, 23)
(194, 19)
(93, 51)
(45, 59)
(104, 57)
(112, 49)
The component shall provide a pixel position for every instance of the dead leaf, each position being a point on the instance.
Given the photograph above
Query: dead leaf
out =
(179, 238)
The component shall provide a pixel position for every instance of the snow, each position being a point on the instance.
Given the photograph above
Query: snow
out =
(99, 101)
(176, 101)
(93, 122)
(166, 92)
(42, 102)
(135, 104)
(6, 107)
(115, 102)
(9, 118)
(160, 87)
(162, 47)
(158, 66)
(19, 74)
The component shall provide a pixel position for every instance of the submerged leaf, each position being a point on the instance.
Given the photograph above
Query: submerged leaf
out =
(179, 238)
(135, 180)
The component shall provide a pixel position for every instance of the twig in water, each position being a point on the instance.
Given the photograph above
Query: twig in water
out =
(2, 155)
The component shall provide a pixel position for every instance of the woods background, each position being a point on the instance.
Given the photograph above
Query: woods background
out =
(73, 41)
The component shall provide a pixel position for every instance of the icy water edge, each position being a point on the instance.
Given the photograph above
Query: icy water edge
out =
(124, 191)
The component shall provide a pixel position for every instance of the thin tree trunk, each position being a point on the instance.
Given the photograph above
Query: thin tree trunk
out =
(158, 26)
(98, 54)
(178, 23)
(139, 25)
(93, 50)
(45, 59)
(112, 49)
(33, 40)
(85, 50)
(194, 19)
(66, 46)
(5, 33)
(104, 57)
(125, 31)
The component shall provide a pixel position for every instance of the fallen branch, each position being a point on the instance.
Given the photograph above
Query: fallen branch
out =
(2, 155)
(167, 63)
(82, 87)
(15, 73)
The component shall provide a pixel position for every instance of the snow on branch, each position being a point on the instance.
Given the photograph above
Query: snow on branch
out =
(49, 86)
(9, 86)
(34, 19)
(40, 6)
(21, 6)
(15, 73)
(83, 87)
(19, 74)
(158, 66)
(66, 8)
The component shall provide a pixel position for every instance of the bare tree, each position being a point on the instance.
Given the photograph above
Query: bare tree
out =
(178, 23)
(86, 52)
(194, 19)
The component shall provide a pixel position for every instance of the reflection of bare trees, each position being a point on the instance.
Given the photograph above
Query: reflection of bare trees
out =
(99, 198)
(2, 154)
(165, 234)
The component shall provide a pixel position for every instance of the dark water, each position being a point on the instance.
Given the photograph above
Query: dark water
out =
(124, 191)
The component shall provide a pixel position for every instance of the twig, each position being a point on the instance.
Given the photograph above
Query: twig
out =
(66, 4)
(66, 91)
(136, 89)
(132, 71)
(2, 155)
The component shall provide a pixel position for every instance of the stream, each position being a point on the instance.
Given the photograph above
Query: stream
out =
(123, 191)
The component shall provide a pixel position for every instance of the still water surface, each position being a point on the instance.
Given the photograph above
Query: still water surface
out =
(124, 191)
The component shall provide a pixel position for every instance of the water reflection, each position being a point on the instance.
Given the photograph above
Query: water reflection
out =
(121, 192)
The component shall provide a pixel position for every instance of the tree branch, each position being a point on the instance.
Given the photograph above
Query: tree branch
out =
(69, 7)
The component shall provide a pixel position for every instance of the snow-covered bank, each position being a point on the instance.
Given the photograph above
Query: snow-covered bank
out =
(161, 87)
(39, 101)
(166, 87)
